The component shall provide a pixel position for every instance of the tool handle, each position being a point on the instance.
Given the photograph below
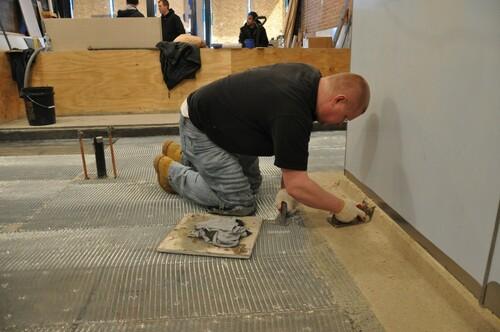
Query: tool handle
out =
(112, 150)
(283, 212)
(82, 152)
(283, 208)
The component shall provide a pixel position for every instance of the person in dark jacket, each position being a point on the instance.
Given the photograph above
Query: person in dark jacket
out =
(171, 24)
(253, 29)
(131, 10)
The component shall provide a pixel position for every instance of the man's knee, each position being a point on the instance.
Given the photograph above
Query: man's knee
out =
(245, 197)
(236, 208)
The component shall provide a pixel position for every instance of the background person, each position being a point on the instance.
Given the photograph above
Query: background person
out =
(253, 30)
(171, 24)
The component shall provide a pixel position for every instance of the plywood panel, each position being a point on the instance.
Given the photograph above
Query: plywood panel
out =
(112, 82)
(328, 61)
(320, 42)
(118, 81)
(177, 240)
(11, 106)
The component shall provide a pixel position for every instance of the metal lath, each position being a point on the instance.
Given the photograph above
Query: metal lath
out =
(20, 200)
(85, 260)
(43, 168)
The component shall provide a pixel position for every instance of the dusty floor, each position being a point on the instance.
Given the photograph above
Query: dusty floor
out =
(406, 288)
(100, 272)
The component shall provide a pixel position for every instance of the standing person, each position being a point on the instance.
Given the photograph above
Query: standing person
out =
(253, 30)
(223, 133)
(131, 10)
(171, 24)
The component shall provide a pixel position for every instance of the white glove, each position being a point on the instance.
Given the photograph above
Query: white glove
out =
(350, 212)
(283, 196)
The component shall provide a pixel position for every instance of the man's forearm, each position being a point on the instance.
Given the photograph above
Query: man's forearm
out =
(311, 194)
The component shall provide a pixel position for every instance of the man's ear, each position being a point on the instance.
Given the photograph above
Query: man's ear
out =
(339, 99)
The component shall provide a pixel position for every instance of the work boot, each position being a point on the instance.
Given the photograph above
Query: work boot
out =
(162, 164)
(172, 150)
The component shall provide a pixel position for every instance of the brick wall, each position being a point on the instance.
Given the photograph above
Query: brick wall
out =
(90, 8)
(227, 18)
(274, 11)
(321, 14)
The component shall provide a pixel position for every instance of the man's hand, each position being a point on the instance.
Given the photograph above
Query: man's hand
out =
(283, 196)
(350, 212)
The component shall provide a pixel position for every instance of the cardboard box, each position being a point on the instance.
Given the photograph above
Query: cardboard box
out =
(320, 42)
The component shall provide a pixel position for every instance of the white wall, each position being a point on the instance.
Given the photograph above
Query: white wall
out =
(429, 144)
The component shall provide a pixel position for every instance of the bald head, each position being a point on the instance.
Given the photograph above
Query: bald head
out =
(353, 86)
(342, 97)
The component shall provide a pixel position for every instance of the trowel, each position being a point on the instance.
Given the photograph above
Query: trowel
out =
(286, 218)
(281, 219)
(369, 210)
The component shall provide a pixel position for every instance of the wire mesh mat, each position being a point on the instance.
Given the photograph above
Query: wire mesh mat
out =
(85, 260)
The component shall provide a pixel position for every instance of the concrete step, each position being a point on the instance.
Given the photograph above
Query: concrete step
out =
(126, 125)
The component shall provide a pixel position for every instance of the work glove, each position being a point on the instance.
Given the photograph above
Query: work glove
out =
(283, 196)
(350, 212)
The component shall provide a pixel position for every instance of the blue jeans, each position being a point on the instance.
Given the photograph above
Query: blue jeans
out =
(225, 183)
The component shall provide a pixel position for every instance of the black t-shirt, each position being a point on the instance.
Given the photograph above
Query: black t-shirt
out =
(261, 112)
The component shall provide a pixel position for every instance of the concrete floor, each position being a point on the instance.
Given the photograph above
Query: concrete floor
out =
(118, 120)
(124, 125)
(367, 275)
(406, 288)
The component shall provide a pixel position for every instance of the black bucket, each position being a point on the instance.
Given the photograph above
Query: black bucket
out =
(39, 103)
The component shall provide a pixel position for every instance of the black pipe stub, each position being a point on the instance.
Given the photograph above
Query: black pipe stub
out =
(100, 160)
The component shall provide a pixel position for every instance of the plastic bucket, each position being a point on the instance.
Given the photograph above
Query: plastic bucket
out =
(249, 43)
(39, 103)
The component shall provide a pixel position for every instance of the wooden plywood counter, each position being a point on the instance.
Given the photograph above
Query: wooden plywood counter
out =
(11, 106)
(130, 81)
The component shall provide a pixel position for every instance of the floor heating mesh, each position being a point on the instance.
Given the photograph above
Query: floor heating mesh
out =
(82, 256)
